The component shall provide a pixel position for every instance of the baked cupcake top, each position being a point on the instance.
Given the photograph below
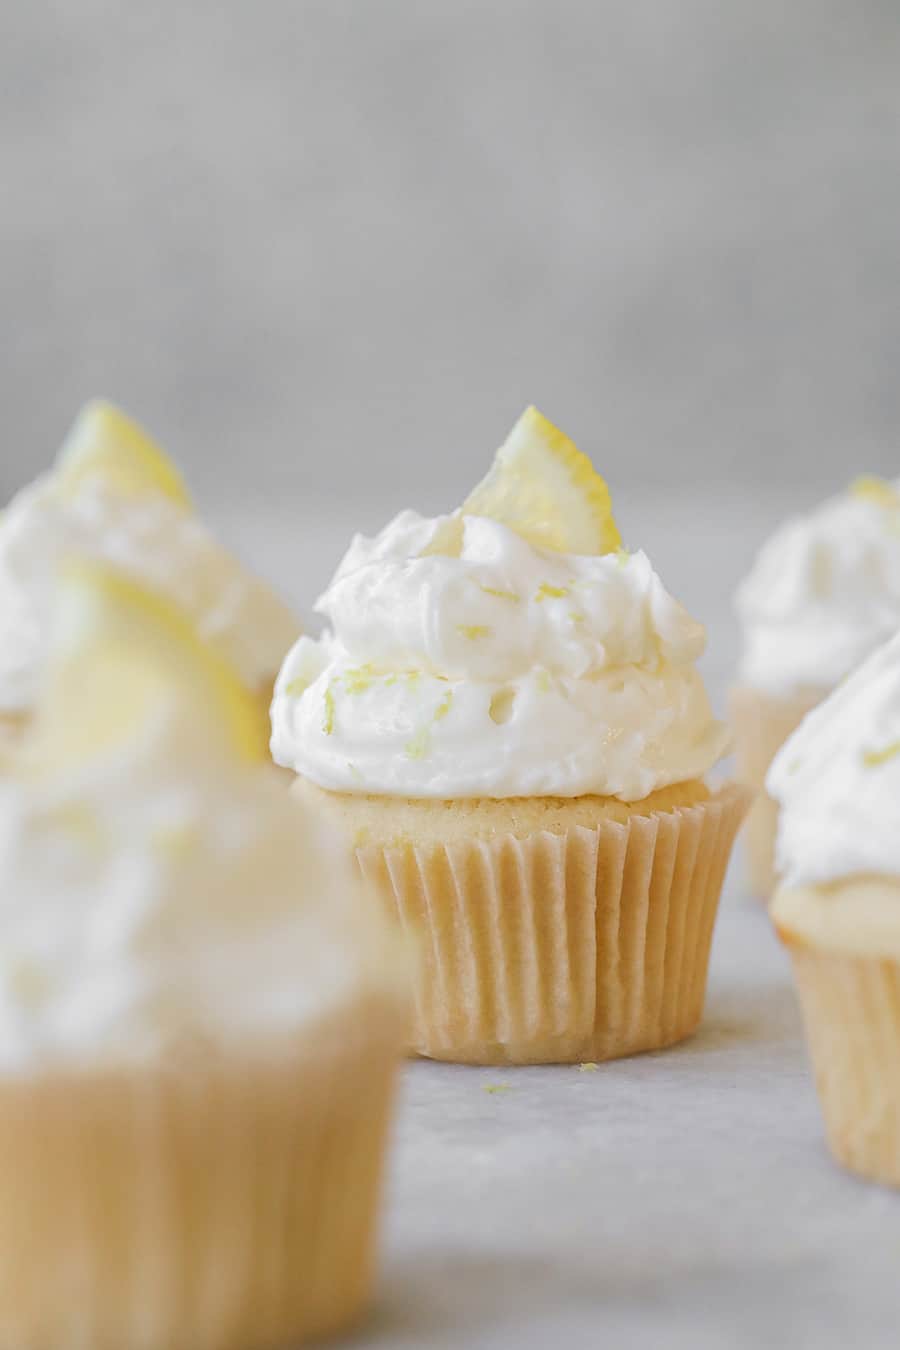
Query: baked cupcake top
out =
(158, 890)
(823, 592)
(113, 495)
(510, 649)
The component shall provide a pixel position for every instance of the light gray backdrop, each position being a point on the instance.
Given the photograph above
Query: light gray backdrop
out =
(331, 247)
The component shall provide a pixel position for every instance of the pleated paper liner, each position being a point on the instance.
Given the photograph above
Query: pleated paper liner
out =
(761, 724)
(851, 1009)
(224, 1204)
(583, 945)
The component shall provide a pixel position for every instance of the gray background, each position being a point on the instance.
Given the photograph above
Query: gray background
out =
(327, 251)
(330, 248)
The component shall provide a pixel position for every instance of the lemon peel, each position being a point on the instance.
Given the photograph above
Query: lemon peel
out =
(543, 487)
(870, 487)
(473, 631)
(118, 654)
(106, 444)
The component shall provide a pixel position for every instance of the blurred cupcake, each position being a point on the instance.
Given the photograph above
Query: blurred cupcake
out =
(114, 495)
(837, 909)
(506, 718)
(200, 1017)
(823, 593)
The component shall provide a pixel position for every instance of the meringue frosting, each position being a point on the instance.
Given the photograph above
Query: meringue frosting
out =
(506, 671)
(823, 592)
(837, 780)
(151, 538)
(164, 897)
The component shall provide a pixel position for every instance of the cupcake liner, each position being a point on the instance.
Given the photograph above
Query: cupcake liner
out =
(761, 724)
(220, 1205)
(560, 948)
(851, 1009)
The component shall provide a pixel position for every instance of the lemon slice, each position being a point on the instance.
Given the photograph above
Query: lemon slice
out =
(106, 444)
(120, 654)
(869, 487)
(545, 489)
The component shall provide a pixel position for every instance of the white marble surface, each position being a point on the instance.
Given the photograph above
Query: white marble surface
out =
(676, 1200)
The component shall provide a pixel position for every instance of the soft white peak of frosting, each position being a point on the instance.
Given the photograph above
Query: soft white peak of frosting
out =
(506, 671)
(152, 539)
(158, 900)
(823, 593)
(837, 780)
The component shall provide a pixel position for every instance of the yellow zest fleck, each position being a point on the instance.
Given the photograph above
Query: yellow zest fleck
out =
(297, 687)
(473, 631)
(502, 595)
(389, 680)
(542, 680)
(444, 706)
(84, 823)
(587, 1068)
(577, 617)
(496, 1088)
(358, 680)
(872, 758)
(328, 724)
(419, 746)
(547, 592)
(622, 556)
(413, 677)
(874, 489)
(175, 842)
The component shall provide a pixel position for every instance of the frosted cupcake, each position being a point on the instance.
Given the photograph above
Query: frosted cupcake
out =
(114, 495)
(823, 594)
(837, 782)
(506, 718)
(200, 1016)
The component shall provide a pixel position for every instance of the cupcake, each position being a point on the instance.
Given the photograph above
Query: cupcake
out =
(837, 909)
(505, 718)
(200, 1015)
(114, 495)
(822, 595)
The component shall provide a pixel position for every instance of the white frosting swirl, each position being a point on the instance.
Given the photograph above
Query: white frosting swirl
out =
(837, 780)
(823, 593)
(164, 898)
(154, 540)
(504, 672)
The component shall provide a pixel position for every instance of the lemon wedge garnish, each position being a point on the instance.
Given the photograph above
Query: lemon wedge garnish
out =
(105, 444)
(119, 654)
(544, 488)
(870, 487)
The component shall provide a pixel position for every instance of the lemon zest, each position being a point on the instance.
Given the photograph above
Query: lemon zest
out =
(328, 723)
(473, 631)
(502, 595)
(547, 592)
(419, 746)
(444, 706)
(873, 758)
(869, 487)
(358, 679)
